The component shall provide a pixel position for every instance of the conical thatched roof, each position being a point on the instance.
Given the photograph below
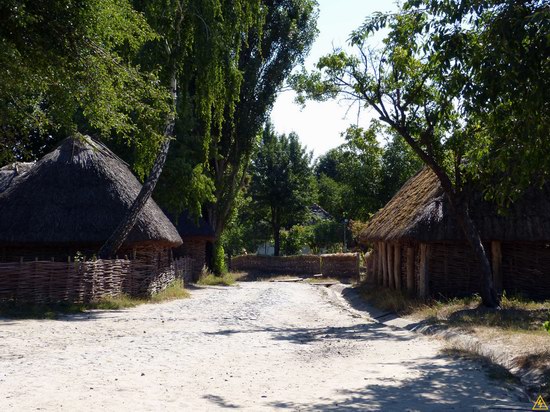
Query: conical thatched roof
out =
(420, 211)
(11, 173)
(78, 194)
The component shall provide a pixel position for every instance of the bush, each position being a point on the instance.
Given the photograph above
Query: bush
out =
(328, 235)
(218, 261)
(295, 239)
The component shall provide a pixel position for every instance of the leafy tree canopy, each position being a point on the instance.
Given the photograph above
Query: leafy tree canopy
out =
(282, 183)
(465, 83)
(68, 65)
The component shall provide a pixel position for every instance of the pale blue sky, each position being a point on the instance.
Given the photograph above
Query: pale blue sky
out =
(319, 125)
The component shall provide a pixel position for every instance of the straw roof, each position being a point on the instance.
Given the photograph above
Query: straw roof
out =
(420, 211)
(10, 173)
(78, 194)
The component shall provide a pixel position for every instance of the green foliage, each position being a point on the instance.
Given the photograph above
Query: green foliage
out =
(328, 235)
(295, 239)
(464, 83)
(546, 326)
(218, 128)
(399, 163)
(245, 230)
(219, 266)
(360, 176)
(68, 66)
(283, 184)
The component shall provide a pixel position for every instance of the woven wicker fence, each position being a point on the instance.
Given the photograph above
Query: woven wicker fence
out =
(335, 265)
(48, 281)
(340, 265)
(296, 265)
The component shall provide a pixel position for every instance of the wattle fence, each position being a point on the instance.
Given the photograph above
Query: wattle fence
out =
(49, 281)
(333, 265)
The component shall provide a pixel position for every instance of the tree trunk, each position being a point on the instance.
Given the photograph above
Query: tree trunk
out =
(489, 296)
(120, 234)
(277, 239)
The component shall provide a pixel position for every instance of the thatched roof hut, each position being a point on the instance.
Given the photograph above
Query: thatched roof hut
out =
(9, 174)
(72, 199)
(416, 234)
(420, 211)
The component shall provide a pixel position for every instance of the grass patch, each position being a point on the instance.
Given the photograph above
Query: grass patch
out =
(515, 314)
(321, 280)
(212, 280)
(174, 290)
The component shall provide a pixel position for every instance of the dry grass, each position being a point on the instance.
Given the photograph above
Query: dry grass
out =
(515, 314)
(173, 291)
(392, 300)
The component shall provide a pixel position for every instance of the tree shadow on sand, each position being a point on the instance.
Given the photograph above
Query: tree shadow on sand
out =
(455, 385)
(297, 335)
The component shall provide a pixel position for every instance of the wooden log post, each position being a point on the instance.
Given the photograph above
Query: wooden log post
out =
(380, 274)
(496, 254)
(391, 280)
(374, 259)
(410, 269)
(384, 264)
(423, 272)
(397, 265)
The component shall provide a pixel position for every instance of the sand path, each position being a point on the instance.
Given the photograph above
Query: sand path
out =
(256, 346)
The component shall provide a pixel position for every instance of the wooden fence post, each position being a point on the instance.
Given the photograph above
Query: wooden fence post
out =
(496, 252)
(397, 265)
(424, 274)
(410, 269)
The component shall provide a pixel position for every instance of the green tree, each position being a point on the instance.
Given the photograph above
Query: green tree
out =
(282, 182)
(295, 239)
(68, 66)
(197, 55)
(360, 176)
(438, 82)
(399, 164)
(219, 168)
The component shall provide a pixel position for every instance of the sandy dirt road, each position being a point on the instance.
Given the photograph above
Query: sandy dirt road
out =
(256, 346)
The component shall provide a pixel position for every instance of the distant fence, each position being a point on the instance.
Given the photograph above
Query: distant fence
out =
(335, 265)
(48, 281)
(340, 265)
